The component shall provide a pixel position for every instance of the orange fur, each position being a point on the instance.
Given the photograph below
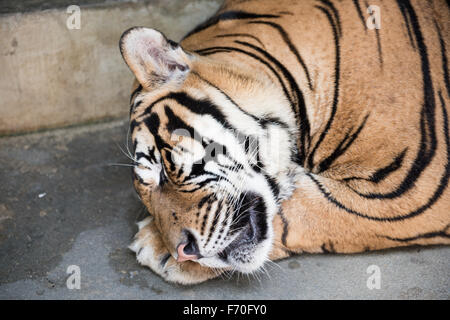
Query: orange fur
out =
(383, 79)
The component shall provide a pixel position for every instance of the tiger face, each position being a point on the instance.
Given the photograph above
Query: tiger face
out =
(211, 160)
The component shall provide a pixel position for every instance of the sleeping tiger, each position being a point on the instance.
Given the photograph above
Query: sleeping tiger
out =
(281, 127)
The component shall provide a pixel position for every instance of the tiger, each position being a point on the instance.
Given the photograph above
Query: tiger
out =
(277, 128)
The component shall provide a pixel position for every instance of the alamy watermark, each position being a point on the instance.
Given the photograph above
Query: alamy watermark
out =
(74, 279)
(374, 20)
(374, 280)
(74, 20)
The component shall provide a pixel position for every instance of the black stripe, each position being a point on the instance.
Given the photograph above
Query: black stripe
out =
(174, 123)
(214, 222)
(333, 200)
(228, 15)
(150, 107)
(198, 106)
(139, 155)
(273, 186)
(205, 182)
(221, 232)
(427, 235)
(291, 253)
(337, 21)
(380, 51)
(133, 125)
(289, 13)
(205, 217)
(133, 107)
(164, 260)
(444, 59)
(247, 146)
(285, 227)
(330, 249)
(133, 95)
(151, 152)
(209, 51)
(201, 107)
(135, 91)
(202, 184)
(202, 202)
(310, 161)
(180, 173)
(168, 158)
(241, 35)
(290, 45)
(152, 122)
(384, 172)
(342, 147)
(360, 14)
(407, 25)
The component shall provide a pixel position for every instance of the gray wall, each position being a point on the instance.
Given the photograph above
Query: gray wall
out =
(52, 76)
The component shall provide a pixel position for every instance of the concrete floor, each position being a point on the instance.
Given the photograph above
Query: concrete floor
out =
(62, 204)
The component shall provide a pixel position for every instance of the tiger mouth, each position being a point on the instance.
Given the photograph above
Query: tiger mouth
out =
(254, 231)
(247, 258)
(246, 237)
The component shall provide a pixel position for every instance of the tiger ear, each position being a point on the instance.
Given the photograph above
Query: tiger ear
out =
(154, 60)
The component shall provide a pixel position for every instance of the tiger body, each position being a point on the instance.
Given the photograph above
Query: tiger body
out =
(351, 127)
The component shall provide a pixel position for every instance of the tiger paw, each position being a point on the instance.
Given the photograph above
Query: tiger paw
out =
(151, 252)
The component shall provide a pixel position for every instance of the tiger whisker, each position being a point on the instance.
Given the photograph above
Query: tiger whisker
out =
(129, 156)
(127, 142)
(122, 165)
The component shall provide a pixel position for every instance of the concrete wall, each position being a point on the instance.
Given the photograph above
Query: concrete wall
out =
(51, 76)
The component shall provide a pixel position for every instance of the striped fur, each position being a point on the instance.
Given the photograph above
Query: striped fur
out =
(280, 127)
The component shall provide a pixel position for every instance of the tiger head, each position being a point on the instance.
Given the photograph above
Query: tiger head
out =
(213, 151)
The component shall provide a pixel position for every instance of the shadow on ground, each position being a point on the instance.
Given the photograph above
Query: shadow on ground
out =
(62, 203)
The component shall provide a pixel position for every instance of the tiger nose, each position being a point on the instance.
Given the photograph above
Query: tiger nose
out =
(188, 250)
